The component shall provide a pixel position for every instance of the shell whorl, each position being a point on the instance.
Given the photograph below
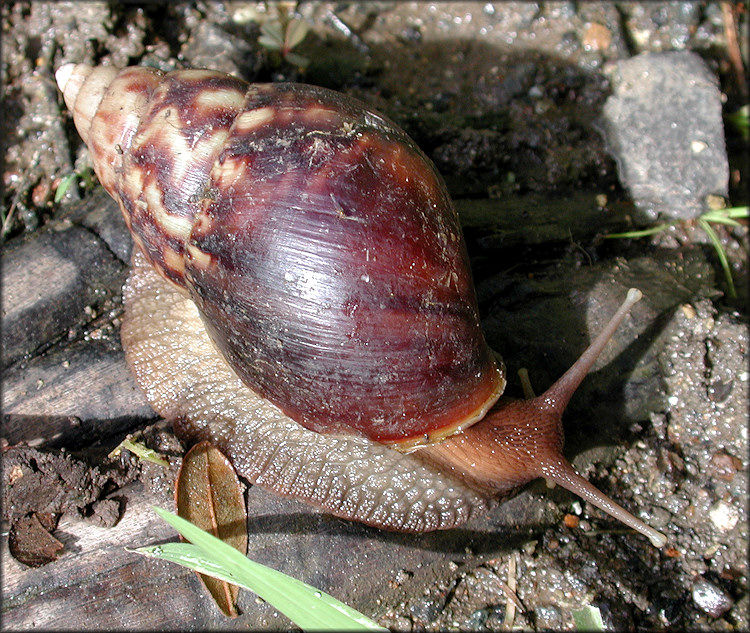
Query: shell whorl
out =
(154, 138)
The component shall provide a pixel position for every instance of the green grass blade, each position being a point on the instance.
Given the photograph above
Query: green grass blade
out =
(738, 212)
(726, 216)
(64, 185)
(721, 220)
(309, 608)
(721, 254)
(635, 234)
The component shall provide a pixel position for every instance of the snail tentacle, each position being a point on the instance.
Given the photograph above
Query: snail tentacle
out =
(521, 440)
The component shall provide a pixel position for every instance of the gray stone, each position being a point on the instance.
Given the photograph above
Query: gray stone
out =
(710, 598)
(663, 126)
(48, 282)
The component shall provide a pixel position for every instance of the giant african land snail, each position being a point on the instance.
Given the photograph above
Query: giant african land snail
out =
(317, 247)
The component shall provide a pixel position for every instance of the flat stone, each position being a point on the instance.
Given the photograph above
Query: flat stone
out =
(75, 395)
(48, 282)
(663, 125)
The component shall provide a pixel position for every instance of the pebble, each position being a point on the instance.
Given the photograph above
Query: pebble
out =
(659, 517)
(571, 520)
(725, 465)
(723, 516)
(711, 599)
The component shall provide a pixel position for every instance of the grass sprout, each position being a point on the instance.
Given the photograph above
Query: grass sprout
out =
(727, 217)
(308, 607)
(283, 36)
(141, 450)
(64, 185)
(721, 254)
(66, 182)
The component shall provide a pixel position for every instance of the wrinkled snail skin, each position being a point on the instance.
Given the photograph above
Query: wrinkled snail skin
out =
(304, 250)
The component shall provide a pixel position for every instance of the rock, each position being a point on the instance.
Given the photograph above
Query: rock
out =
(710, 598)
(664, 128)
(48, 282)
(723, 516)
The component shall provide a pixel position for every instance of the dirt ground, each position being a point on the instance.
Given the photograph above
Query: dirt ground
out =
(505, 99)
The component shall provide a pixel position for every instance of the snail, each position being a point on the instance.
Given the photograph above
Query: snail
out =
(301, 297)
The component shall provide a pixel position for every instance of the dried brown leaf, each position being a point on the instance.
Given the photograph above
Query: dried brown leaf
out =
(209, 495)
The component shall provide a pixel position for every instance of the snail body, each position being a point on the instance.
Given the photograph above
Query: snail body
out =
(303, 249)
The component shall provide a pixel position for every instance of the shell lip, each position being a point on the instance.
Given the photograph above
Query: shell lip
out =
(414, 443)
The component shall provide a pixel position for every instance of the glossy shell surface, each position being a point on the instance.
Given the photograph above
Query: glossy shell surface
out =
(318, 242)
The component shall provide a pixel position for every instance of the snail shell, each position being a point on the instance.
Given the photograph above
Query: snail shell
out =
(302, 298)
(318, 242)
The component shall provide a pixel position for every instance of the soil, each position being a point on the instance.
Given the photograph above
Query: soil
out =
(504, 98)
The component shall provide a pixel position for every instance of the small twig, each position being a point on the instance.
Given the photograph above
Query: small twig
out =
(579, 247)
(510, 592)
(22, 187)
(9, 217)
